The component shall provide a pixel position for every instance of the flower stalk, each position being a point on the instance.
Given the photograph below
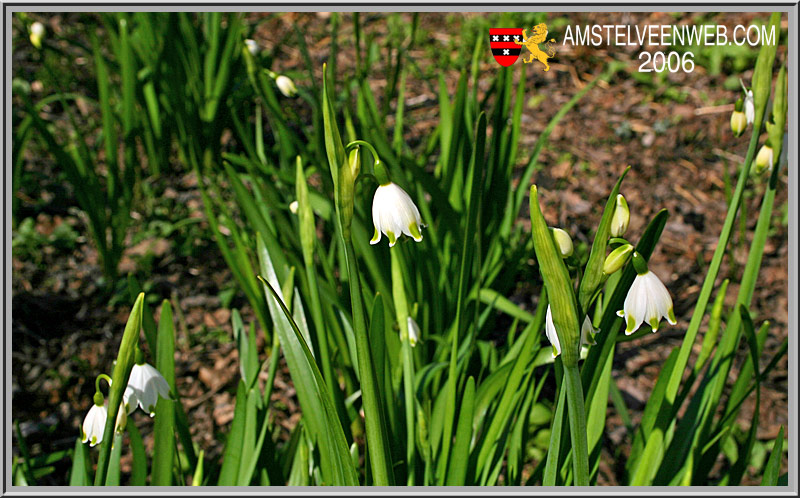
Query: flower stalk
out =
(344, 180)
(403, 318)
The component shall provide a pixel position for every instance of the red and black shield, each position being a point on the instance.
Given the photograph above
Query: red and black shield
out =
(504, 50)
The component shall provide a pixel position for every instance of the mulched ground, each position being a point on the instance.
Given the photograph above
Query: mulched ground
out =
(65, 331)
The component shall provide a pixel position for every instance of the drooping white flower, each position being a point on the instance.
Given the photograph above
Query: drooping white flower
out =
(394, 213)
(587, 332)
(37, 31)
(413, 332)
(647, 301)
(94, 424)
(293, 206)
(252, 46)
(148, 384)
(286, 86)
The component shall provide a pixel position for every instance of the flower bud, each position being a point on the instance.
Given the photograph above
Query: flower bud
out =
(413, 332)
(621, 218)
(738, 123)
(563, 242)
(252, 46)
(293, 207)
(286, 86)
(37, 33)
(764, 159)
(347, 189)
(617, 258)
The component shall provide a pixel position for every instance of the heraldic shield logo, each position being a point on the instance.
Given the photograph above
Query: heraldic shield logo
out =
(506, 44)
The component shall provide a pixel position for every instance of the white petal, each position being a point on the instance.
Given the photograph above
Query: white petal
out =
(413, 331)
(662, 297)
(635, 305)
(550, 331)
(129, 399)
(749, 107)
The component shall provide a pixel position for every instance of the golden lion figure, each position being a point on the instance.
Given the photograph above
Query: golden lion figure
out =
(539, 35)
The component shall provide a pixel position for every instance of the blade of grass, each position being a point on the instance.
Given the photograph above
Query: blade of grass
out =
(773, 468)
(164, 426)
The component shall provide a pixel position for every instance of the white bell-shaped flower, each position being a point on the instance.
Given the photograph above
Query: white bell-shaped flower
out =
(94, 424)
(587, 332)
(394, 213)
(286, 86)
(647, 301)
(148, 384)
(252, 46)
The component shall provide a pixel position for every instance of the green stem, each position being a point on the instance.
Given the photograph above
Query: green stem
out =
(577, 424)
(373, 415)
(401, 307)
(408, 385)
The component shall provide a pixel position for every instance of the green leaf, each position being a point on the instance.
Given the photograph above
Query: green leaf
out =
(248, 354)
(475, 176)
(112, 478)
(457, 472)
(79, 474)
(164, 425)
(318, 411)
(554, 449)
(773, 467)
(558, 284)
(593, 274)
(139, 459)
(232, 456)
(247, 452)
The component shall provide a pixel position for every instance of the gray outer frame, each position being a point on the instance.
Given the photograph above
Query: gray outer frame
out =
(567, 6)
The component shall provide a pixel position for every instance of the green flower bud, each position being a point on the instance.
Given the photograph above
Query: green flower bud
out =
(621, 218)
(347, 188)
(764, 159)
(617, 258)
(738, 123)
(563, 242)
